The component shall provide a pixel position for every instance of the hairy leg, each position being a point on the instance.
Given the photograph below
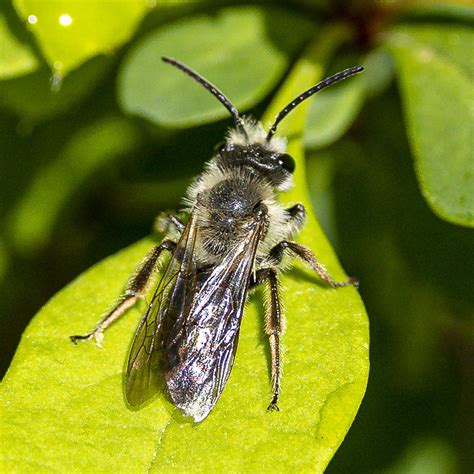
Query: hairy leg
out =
(135, 289)
(274, 327)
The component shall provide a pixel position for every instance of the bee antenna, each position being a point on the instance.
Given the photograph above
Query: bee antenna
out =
(212, 89)
(321, 85)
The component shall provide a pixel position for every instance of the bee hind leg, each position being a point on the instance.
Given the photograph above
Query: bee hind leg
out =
(274, 326)
(136, 288)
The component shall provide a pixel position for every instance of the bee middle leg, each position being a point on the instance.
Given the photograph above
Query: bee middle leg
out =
(274, 326)
(296, 218)
(135, 289)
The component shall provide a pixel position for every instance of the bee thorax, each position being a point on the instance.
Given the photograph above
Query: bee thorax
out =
(224, 211)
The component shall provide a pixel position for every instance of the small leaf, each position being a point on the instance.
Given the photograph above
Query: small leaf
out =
(70, 33)
(434, 65)
(231, 48)
(64, 403)
(16, 58)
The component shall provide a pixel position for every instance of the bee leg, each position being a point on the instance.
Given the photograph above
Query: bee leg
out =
(136, 288)
(168, 224)
(273, 328)
(309, 258)
(296, 218)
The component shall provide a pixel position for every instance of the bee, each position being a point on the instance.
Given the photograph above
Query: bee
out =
(235, 237)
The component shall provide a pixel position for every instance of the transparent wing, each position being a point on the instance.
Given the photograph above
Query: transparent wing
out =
(201, 350)
(168, 304)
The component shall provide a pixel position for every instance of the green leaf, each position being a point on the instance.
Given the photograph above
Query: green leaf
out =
(16, 58)
(434, 65)
(63, 407)
(232, 48)
(70, 33)
(31, 222)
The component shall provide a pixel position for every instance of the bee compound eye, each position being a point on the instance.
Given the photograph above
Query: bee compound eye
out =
(287, 162)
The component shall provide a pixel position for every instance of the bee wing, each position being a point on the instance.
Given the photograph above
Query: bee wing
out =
(201, 349)
(168, 303)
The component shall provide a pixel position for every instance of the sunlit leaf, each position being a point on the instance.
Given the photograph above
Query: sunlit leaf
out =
(16, 58)
(70, 33)
(326, 368)
(232, 48)
(435, 72)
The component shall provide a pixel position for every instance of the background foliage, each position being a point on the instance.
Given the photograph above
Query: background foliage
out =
(89, 149)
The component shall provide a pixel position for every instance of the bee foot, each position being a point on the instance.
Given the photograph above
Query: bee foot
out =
(99, 338)
(86, 337)
(273, 407)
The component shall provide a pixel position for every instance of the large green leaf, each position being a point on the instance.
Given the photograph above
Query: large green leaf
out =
(63, 407)
(232, 48)
(435, 65)
(69, 33)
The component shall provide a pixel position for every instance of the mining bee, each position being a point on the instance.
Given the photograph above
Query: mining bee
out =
(234, 238)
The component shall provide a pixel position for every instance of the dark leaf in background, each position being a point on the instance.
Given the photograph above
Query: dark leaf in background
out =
(34, 98)
(435, 68)
(92, 148)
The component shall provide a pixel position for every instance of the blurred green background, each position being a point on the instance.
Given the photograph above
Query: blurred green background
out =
(97, 137)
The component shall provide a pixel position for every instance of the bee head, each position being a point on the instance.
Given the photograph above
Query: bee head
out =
(251, 151)
(248, 145)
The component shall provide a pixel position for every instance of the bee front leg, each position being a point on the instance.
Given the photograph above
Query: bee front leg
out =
(135, 288)
(309, 258)
(274, 326)
(168, 224)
